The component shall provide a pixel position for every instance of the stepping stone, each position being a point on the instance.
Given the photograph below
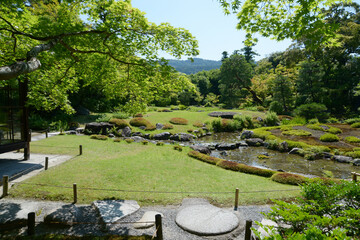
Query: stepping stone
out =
(201, 218)
(111, 211)
(66, 215)
(147, 220)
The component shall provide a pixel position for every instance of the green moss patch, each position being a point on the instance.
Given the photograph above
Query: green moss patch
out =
(352, 139)
(297, 133)
(99, 137)
(179, 121)
(120, 123)
(329, 137)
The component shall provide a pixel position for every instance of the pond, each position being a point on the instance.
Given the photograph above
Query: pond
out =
(277, 161)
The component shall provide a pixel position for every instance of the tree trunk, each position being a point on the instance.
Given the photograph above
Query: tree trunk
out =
(256, 99)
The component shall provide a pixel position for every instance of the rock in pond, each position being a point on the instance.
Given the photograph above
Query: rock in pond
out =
(96, 128)
(201, 149)
(162, 136)
(342, 159)
(255, 142)
(227, 146)
(246, 134)
(356, 162)
(126, 132)
(185, 137)
(204, 219)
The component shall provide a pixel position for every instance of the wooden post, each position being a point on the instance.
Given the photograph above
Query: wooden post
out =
(46, 133)
(354, 176)
(5, 186)
(80, 149)
(158, 227)
(75, 192)
(236, 199)
(248, 230)
(46, 163)
(31, 224)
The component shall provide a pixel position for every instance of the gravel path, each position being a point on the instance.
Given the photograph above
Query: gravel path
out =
(87, 214)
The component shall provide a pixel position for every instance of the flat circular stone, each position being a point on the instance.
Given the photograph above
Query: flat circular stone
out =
(206, 220)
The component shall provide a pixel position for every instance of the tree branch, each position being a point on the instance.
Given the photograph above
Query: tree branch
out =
(22, 67)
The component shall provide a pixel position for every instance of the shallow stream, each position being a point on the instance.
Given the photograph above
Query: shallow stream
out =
(277, 161)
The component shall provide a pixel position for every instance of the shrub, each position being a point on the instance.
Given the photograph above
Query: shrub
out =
(333, 120)
(178, 147)
(276, 107)
(260, 108)
(138, 115)
(296, 120)
(144, 142)
(129, 140)
(120, 123)
(99, 137)
(179, 121)
(150, 127)
(244, 121)
(354, 154)
(313, 121)
(262, 156)
(352, 139)
(36, 122)
(117, 140)
(167, 126)
(198, 124)
(315, 127)
(296, 133)
(355, 125)
(334, 130)
(103, 118)
(288, 178)
(329, 137)
(256, 171)
(352, 120)
(138, 122)
(204, 157)
(159, 144)
(226, 125)
(312, 110)
(182, 107)
(120, 115)
(230, 165)
(190, 130)
(271, 119)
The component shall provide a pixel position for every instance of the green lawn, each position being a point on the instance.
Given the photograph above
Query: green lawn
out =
(123, 166)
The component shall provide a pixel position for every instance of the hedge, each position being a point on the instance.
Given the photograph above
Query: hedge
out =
(120, 123)
(99, 137)
(179, 121)
(138, 122)
(288, 178)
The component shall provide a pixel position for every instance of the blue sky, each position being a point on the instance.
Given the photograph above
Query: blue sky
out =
(205, 19)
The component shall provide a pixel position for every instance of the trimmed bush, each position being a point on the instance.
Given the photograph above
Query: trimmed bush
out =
(150, 127)
(313, 121)
(99, 137)
(355, 125)
(178, 147)
(138, 115)
(352, 120)
(312, 110)
(354, 154)
(167, 126)
(288, 178)
(190, 130)
(329, 137)
(352, 139)
(120, 123)
(226, 125)
(159, 144)
(229, 165)
(198, 124)
(333, 120)
(315, 127)
(138, 122)
(204, 157)
(144, 142)
(117, 140)
(256, 171)
(271, 119)
(129, 140)
(297, 133)
(334, 130)
(179, 121)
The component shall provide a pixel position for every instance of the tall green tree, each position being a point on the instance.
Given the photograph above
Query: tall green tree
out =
(235, 75)
(56, 43)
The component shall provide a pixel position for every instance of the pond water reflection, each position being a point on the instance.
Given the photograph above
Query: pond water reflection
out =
(284, 161)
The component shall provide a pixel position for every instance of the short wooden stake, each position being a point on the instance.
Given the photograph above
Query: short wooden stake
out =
(46, 163)
(46, 134)
(31, 224)
(236, 199)
(248, 230)
(5, 186)
(75, 192)
(80, 149)
(158, 227)
(354, 176)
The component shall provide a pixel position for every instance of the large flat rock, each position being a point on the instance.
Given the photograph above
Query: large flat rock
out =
(202, 218)
(111, 211)
(147, 220)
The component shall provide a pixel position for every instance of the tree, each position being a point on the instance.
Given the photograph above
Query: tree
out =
(235, 74)
(282, 19)
(249, 54)
(54, 42)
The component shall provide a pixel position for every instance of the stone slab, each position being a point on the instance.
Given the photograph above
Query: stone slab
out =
(111, 211)
(147, 220)
(201, 218)
(66, 215)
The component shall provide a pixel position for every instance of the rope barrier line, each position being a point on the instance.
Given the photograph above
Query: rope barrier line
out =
(53, 146)
(93, 223)
(144, 191)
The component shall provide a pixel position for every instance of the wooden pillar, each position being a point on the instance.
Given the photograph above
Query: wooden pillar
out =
(5, 186)
(158, 227)
(236, 199)
(31, 224)
(248, 230)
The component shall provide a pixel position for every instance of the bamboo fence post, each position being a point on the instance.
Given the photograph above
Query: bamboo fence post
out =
(80, 150)
(5, 186)
(248, 230)
(75, 192)
(236, 199)
(46, 163)
(158, 227)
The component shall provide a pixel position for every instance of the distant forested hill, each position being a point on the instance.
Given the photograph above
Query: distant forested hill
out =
(199, 64)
